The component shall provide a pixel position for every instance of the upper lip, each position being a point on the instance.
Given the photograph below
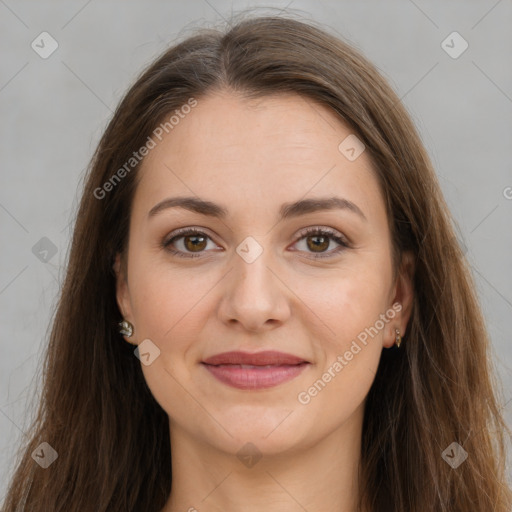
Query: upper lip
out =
(269, 357)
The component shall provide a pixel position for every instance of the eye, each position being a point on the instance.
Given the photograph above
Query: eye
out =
(319, 239)
(191, 241)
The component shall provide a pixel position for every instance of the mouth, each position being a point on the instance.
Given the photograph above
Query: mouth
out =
(266, 358)
(260, 370)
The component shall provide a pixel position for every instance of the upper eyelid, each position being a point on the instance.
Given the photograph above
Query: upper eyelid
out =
(182, 232)
(315, 227)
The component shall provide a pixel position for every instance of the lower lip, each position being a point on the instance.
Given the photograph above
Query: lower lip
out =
(255, 378)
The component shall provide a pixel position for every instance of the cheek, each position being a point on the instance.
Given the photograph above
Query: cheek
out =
(346, 303)
(338, 305)
(168, 305)
(348, 348)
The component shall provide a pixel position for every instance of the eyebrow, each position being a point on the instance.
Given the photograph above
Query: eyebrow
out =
(287, 210)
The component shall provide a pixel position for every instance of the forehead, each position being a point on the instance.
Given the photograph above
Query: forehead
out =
(271, 149)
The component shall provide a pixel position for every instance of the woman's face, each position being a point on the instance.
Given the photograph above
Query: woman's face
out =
(253, 279)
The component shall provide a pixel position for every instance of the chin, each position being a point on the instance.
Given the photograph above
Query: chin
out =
(272, 434)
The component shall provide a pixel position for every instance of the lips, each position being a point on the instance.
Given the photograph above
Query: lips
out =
(260, 370)
(267, 358)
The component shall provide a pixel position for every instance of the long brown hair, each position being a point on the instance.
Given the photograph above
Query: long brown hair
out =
(96, 411)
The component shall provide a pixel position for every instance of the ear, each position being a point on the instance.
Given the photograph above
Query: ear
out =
(403, 294)
(122, 291)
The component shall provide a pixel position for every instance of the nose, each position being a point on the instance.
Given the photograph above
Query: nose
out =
(255, 298)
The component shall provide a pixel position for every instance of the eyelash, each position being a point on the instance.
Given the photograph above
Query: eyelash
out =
(315, 231)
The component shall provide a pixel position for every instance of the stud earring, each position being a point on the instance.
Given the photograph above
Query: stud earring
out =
(398, 338)
(126, 328)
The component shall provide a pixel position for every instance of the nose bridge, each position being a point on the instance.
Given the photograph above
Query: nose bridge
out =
(254, 294)
(251, 272)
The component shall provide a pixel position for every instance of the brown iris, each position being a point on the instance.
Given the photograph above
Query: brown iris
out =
(197, 242)
(324, 244)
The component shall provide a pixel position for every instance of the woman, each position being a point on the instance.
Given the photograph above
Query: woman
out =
(265, 305)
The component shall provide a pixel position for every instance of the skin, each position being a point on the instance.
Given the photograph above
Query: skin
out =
(251, 157)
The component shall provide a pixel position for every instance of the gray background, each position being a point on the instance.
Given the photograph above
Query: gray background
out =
(53, 112)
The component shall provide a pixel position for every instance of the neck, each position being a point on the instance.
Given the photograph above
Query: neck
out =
(321, 476)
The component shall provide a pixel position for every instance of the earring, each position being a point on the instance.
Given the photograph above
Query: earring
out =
(398, 338)
(126, 328)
